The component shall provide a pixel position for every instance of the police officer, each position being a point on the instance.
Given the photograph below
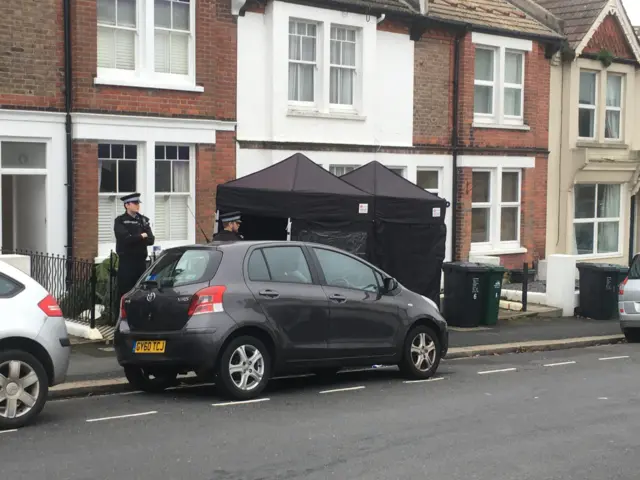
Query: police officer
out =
(231, 223)
(133, 235)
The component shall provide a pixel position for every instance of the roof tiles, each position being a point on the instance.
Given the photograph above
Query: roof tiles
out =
(578, 16)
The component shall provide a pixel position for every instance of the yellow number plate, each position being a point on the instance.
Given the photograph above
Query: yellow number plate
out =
(149, 346)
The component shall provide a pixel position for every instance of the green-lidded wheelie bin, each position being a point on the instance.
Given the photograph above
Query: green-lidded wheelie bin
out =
(494, 290)
(599, 284)
(465, 291)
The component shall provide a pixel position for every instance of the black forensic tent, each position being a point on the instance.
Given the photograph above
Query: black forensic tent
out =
(409, 240)
(322, 207)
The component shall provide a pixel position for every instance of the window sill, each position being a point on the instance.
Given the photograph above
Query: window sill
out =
(498, 251)
(139, 83)
(598, 256)
(335, 115)
(586, 143)
(498, 126)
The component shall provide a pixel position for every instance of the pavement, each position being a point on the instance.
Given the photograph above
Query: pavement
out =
(567, 414)
(94, 369)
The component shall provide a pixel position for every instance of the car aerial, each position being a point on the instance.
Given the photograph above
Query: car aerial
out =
(243, 312)
(629, 303)
(34, 347)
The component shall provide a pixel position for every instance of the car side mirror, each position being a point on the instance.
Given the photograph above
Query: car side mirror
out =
(389, 284)
(166, 283)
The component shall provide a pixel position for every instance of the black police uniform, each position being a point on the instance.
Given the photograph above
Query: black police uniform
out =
(227, 235)
(131, 249)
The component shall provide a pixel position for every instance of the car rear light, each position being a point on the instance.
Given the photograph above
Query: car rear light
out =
(622, 285)
(50, 307)
(207, 300)
(123, 313)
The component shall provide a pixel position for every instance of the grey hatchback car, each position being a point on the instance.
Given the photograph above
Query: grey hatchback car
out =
(629, 302)
(242, 312)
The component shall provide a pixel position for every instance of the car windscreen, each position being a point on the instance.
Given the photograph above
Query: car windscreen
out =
(184, 267)
(634, 271)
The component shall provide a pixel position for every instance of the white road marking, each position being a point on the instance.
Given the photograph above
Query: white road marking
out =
(603, 398)
(350, 389)
(559, 364)
(497, 371)
(424, 381)
(244, 402)
(153, 412)
(614, 358)
(8, 431)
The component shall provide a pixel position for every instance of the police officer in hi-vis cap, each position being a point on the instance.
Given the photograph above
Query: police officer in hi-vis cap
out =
(231, 223)
(133, 236)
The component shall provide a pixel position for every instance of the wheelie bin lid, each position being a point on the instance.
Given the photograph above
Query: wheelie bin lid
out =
(609, 267)
(466, 266)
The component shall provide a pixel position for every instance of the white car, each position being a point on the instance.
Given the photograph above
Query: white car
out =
(34, 347)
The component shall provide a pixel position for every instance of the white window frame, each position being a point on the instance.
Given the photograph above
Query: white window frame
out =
(144, 74)
(315, 64)
(619, 109)
(487, 117)
(190, 194)
(596, 221)
(117, 195)
(322, 78)
(500, 46)
(495, 206)
(438, 171)
(354, 68)
(585, 106)
(333, 166)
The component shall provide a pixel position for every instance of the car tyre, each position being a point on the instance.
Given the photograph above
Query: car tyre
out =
(421, 353)
(632, 335)
(244, 368)
(31, 379)
(149, 382)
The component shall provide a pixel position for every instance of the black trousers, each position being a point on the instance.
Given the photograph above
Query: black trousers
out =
(129, 271)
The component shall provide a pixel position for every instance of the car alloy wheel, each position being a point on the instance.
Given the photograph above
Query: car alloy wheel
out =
(244, 368)
(23, 388)
(422, 353)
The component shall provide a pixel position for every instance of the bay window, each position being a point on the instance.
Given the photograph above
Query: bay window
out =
(146, 43)
(173, 192)
(587, 108)
(596, 222)
(495, 214)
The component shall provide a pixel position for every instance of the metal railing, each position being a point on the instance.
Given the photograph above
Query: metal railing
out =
(84, 290)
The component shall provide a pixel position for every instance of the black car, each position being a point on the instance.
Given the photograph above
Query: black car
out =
(243, 312)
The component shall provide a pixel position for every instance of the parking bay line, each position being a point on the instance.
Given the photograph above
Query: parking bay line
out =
(8, 431)
(614, 358)
(427, 380)
(153, 412)
(559, 364)
(243, 402)
(349, 389)
(486, 372)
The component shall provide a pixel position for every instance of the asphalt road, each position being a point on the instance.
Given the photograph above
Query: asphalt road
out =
(522, 416)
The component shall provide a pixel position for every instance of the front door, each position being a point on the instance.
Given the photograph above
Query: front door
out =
(297, 308)
(363, 322)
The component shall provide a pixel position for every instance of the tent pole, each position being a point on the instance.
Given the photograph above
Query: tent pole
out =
(215, 223)
(289, 229)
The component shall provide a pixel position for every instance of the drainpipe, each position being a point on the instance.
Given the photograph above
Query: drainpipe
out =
(632, 227)
(68, 125)
(455, 142)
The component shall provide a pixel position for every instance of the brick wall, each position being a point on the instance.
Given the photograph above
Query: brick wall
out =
(31, 54)
(85, 199)
(433, 93)
(216, 164)
(610, 36)
(216, 52)
(537, 71)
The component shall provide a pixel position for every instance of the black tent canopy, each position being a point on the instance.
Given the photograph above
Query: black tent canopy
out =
(410, 235)
(296, 188)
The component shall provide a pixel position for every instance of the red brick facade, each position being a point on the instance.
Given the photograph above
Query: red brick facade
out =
(433, 114)
(31, 55)
(610, 36)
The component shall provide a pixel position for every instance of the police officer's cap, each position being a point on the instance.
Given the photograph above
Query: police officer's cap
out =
(230, 217)
(131, 198)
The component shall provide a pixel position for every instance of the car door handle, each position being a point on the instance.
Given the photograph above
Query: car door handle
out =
(338, 298)
(269, 293)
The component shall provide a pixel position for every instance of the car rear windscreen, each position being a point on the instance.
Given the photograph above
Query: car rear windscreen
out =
(185, 267)
(634, 271)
